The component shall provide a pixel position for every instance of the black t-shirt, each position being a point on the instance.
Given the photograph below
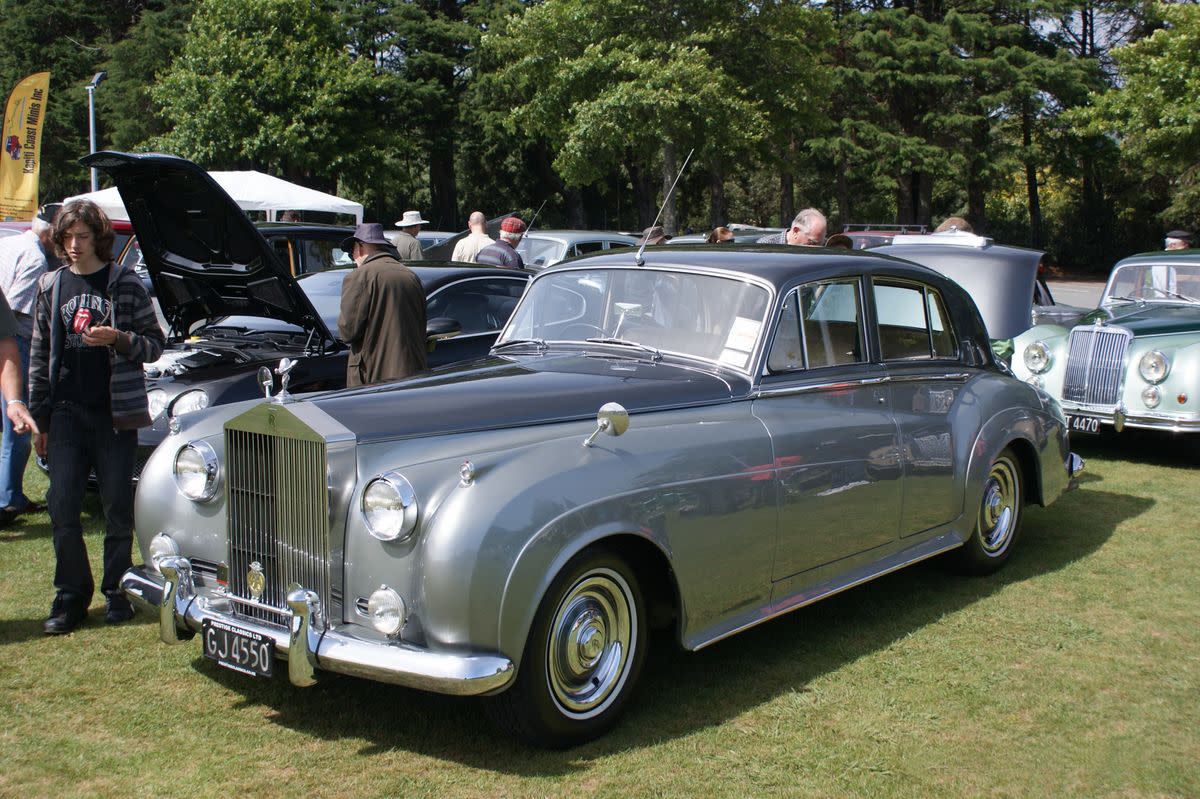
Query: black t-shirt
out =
(84, 372)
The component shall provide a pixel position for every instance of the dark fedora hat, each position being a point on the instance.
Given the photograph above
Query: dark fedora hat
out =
(367, 233)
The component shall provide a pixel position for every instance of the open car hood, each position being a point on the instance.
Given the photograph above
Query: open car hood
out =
(205, 257)
(999, 278)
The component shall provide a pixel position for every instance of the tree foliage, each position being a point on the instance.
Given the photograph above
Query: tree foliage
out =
(1154, 113)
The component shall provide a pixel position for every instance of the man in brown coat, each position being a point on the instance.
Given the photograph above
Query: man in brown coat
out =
(383, 312)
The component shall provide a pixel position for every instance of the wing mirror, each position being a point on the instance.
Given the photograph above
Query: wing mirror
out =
(612, 419)
(442, 327)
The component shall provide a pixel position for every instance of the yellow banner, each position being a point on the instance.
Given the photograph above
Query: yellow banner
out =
(21, 160)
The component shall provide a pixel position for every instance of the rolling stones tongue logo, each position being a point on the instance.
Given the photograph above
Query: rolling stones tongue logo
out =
(82, 320)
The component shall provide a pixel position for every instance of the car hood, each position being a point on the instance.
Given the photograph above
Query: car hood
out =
(999, 279)
(205, 257)
(1149, 319)
(512, 391)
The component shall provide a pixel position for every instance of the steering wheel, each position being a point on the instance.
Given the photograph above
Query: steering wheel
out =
(588, 330)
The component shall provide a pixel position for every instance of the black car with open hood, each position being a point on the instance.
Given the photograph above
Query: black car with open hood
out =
(233, 306)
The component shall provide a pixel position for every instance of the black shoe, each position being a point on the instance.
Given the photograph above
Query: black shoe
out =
(119, 609)
(64, 617)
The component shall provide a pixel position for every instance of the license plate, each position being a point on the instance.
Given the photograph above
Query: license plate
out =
(241, 650)
(1083, 424)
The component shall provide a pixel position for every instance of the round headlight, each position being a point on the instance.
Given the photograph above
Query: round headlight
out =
(158, 402)
(196, 471)
(1151, 396)
(1037, 357)
(162, 546)
(389, 506)
(1154, 367)
(188, 401)
(386, 609)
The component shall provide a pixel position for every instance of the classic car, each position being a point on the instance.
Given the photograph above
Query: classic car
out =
(1134, 361)
(1020, 267)
(542, 248)
(683, 443)
(864, 236)
(227, 293)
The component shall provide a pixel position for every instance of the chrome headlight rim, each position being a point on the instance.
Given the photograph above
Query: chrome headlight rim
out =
(1037, 357)
(389, 507)
(190, 401)
(1154, 367)
(207, 465)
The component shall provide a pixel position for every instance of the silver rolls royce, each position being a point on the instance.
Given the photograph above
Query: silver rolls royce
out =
(684, 442)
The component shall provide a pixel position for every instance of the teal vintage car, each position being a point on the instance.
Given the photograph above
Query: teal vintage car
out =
(1134, 362)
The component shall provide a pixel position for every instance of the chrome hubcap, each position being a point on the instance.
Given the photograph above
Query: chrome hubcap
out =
(998, 513)
(591, 643)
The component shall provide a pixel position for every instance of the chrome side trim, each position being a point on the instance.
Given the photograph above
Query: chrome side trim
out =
(931, 548)
(337, 650)
(841, 385)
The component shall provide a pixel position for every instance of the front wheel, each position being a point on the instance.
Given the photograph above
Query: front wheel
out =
(998, 518)
(583, 657)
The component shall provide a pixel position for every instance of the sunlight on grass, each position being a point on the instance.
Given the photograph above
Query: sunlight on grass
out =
(1073, 672)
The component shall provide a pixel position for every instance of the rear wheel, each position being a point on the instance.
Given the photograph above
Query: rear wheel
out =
(583, 656)
(998, 518)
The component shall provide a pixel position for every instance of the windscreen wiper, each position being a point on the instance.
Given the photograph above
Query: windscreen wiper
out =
(624, 342)
(539, 344)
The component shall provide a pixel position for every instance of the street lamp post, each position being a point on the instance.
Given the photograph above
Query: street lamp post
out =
(91, 90)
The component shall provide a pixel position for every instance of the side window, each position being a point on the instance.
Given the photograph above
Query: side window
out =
(831, 323)
(318, 255)
(912, 323)
(820, 325)
(480, 306)
(787, 350)
(133, 254)
(588, 246)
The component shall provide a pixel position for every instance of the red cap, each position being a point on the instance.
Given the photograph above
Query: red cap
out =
(512, 224)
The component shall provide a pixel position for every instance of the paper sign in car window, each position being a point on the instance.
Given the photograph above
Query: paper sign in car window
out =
(742, 334)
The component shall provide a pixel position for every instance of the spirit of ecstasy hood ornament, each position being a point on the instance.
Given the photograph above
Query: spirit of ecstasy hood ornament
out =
(267, 380)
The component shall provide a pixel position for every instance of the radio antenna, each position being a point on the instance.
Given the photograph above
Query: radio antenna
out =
(536, 214)
(638, 258)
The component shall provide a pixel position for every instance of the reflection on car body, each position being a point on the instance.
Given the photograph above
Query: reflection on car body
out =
(684, 446)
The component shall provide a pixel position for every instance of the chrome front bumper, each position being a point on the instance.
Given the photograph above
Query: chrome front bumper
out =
(310, 645)
(1119, 419)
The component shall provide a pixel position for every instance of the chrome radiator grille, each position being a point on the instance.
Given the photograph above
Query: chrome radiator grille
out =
(278, 517)
(1095, 365)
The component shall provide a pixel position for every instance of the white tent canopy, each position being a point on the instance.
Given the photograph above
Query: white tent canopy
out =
(252, 191)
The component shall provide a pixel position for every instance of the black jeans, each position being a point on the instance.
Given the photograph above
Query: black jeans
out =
(82, 440)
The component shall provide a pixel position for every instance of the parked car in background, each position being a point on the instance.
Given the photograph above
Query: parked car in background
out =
(742, 234)
(683, 444)
(864, 236)
(431, 238)
(1134, 362)
(542, 248)
(227, 291)
(1020, 300)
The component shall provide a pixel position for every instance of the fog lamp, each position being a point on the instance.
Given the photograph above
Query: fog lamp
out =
(1151, 396)
(162, 546)
(387, 611)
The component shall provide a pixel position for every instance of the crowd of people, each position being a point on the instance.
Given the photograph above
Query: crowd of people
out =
(74, 338)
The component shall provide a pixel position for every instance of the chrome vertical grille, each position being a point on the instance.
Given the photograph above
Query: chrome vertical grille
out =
(1095, 365)
(278, 517)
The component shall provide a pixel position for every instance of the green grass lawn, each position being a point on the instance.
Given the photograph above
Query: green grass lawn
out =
(1073, 672)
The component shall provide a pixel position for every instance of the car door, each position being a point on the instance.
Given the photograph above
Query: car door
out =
(919, 349)
(481, 306)
(827, 409)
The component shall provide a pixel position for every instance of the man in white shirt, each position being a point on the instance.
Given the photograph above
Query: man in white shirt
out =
(22, 262)
(469, 246)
